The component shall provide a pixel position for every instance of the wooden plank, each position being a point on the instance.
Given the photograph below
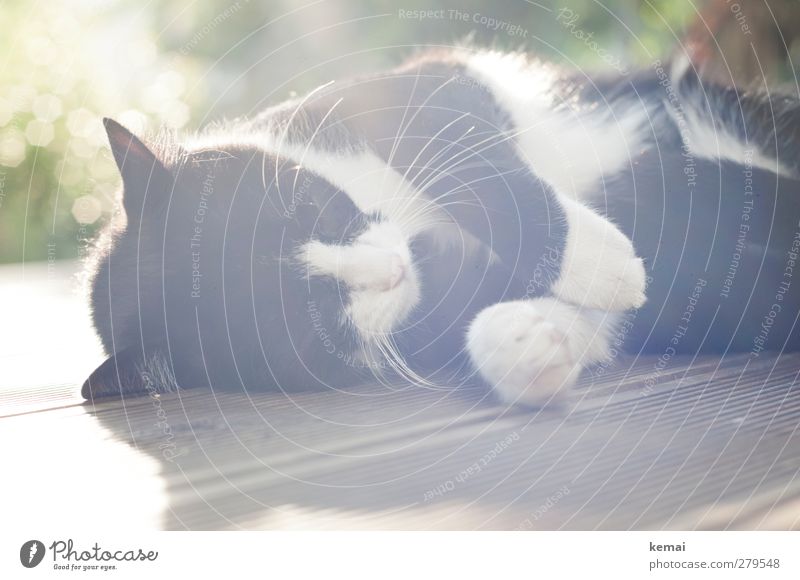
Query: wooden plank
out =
(711, 444)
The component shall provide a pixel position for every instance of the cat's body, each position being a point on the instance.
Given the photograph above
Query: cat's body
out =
(437, 216)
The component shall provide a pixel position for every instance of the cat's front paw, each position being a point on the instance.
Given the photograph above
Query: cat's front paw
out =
(524, 349)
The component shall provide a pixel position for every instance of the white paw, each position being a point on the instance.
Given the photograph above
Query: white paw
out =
(599, 268)
(530, 351)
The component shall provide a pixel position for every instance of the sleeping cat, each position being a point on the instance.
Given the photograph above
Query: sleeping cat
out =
(473, 212)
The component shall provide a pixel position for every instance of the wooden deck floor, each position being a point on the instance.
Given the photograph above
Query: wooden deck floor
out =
(709, 444)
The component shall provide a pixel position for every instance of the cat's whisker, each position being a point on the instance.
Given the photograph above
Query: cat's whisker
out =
(402, 130)
(400, 127)
(462, 165)
(435, 170)
(400, 366)
(454, 161)
(419, 108)
(420, 188)
(311, 140)
(435, 204)
(429, 142)
(280, 149)
(502, 136)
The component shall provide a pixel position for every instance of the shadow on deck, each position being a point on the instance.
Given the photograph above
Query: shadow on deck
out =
(702, 444)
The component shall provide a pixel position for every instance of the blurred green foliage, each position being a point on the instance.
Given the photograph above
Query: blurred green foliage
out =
(64, 65)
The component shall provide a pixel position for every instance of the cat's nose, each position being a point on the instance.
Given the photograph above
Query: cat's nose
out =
(397, 271)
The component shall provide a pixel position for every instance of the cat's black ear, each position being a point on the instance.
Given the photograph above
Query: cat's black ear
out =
(142, 171)
(129, 373)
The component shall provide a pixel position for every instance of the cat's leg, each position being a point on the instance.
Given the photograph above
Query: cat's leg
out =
(532, 351)
(599, 267)
(558, 244)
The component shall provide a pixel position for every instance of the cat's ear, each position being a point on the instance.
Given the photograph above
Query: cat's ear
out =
(129, 373)
(142, 171)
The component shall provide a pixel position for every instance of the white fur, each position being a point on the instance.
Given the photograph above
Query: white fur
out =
(708, 139)
(374, 186)
(532, 351)
(571, 150)
(528, 350)
(383, 283)
(369, 181)
(378, 272)
(599, 268)
(568, 148)
(377, 267)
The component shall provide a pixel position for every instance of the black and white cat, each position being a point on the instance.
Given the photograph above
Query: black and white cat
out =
(469, 210)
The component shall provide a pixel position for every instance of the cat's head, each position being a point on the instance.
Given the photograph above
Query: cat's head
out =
(251, 244)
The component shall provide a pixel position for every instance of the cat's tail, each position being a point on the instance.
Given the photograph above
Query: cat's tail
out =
(760, 127)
